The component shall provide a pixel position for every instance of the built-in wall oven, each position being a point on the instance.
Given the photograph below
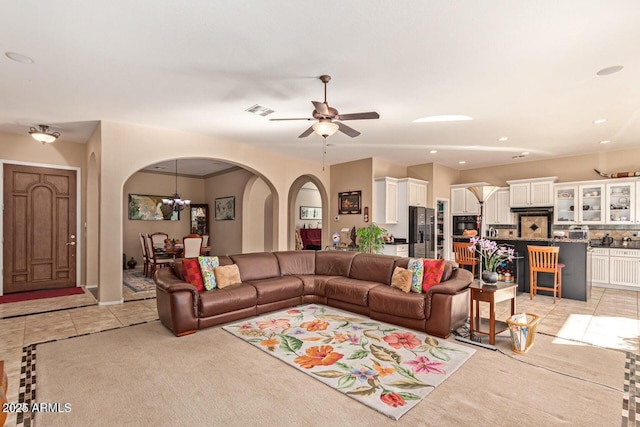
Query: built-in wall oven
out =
(464, 222)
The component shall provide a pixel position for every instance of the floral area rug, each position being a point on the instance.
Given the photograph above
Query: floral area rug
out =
(135, 280)
(385, 367)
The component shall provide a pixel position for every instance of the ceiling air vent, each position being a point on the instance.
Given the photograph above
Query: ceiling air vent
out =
(260, 110)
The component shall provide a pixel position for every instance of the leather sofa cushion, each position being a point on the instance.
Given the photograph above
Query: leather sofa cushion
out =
(334, 263)
(296, 262)
(231, 298)
(314, 284)
(385, 299)
(353, 291)
(277, 288)
(256, 266)
(373, 268)
(225, 260)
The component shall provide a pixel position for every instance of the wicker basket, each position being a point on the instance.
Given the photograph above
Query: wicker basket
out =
(523, 334)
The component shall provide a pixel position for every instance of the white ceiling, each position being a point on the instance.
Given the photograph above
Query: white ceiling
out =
(522, 69)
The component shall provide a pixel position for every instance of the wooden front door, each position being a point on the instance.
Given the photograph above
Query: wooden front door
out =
(39, 226)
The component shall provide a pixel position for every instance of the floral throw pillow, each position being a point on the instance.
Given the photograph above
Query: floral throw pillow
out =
(416, 266)
(191, 273)
(433, 269)
(207, 265)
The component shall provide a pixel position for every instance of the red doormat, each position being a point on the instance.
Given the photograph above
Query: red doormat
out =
(47, 293)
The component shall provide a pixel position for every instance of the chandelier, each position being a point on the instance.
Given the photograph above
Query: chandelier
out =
(43, 135)
(175, 201)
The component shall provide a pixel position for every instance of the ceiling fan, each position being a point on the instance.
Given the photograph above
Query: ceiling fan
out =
(327, 117)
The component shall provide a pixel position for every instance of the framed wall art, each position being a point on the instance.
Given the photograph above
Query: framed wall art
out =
(150, 208)
(349, 202)
(226, 208)
(310, 212)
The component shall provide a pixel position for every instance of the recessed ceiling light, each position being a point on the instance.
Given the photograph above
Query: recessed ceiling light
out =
(18, 57)
(610, 70)
(433, 151)
(443, 118)
(503, 139)
(599, 121)
(524, 153)
(260, 110)
(462, 162)
(606, 141)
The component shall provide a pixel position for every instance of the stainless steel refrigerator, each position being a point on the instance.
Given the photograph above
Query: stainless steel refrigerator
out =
(421, 232)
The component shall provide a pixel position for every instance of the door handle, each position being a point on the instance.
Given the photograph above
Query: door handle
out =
(71, 243)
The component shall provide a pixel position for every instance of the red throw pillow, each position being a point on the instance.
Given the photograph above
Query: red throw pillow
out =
(433, 269)
(191, 271)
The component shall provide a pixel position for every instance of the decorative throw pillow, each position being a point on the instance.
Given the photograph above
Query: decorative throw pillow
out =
(191, 273)
(401, 279)
(227, 275)
(416, 266)
(433, 269)
(207, 267)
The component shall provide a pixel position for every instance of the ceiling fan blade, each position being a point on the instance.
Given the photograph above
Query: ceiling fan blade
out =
(306, 133)
(321, 107)
(347, 130)
(359, 116)
(295, 118)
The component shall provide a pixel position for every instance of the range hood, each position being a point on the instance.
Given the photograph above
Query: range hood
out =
(542, 210)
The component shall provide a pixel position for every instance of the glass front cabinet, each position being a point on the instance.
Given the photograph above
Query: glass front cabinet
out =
(591, 206)
(565, 200)
(620, 200)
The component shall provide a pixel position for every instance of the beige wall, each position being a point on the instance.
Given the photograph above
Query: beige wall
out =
(567, 169)
(382, 168)
(257, 235)
(350, 176)
(157, 184)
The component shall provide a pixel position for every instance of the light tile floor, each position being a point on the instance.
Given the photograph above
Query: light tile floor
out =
(608, 319)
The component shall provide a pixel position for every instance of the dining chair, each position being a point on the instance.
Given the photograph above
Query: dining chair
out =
(156, 260)
(145, 253)
(205, 240)
(465, 255)
(157, 240)
(191, 246)
(544, 259)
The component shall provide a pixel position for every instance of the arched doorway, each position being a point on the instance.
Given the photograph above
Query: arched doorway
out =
(306, 195)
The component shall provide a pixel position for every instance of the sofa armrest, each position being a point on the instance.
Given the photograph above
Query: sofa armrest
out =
(459, 281)
(177, 302)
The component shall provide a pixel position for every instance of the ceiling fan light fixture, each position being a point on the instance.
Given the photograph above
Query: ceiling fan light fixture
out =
(43, 134)
(325, 128)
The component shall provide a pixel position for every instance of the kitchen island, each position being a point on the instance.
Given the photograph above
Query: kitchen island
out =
(574, 254)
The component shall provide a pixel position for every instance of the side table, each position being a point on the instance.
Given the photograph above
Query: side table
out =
(493, 294)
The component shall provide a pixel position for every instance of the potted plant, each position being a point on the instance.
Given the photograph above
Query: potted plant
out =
(370, 239)
(492, 256)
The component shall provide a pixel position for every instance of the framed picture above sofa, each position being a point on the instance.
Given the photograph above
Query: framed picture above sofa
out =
(349, 202)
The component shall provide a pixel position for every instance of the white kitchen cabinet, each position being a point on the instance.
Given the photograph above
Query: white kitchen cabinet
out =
(401, 250)
(591, 203)
(463, 202)
(621, 203)
(600, 265)
(497, 209)
(565, 201)
(531, 192)
(417, 192)
(386, 203)
(624, 267)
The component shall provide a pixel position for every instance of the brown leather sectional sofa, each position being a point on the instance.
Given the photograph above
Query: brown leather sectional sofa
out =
(350, 281)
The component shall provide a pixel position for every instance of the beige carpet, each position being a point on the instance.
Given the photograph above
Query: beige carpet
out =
(143, 375)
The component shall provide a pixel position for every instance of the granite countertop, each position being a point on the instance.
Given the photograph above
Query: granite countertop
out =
(531, 239)
(634, 244)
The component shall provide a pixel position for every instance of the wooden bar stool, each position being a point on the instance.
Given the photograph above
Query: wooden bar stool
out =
(544, 259)
(465, 256)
